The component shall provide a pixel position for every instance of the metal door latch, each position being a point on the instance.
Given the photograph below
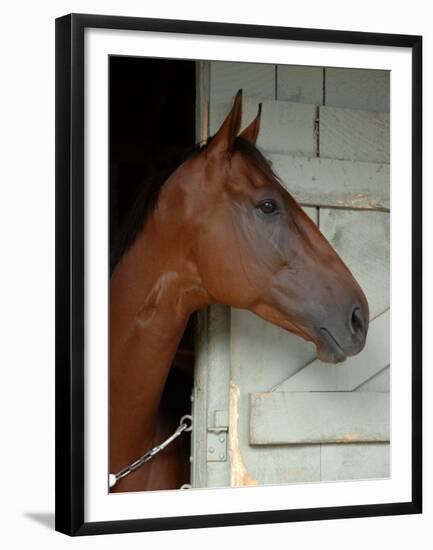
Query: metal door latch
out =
(217, 438)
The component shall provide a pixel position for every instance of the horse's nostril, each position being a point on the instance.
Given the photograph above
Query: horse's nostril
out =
(357, 324)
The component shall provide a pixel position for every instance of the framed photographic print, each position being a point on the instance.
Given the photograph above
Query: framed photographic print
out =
(238, 274)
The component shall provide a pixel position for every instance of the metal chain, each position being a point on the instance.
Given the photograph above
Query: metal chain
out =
(183, 427)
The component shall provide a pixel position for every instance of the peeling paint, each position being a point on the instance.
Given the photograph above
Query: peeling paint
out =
(239, 476)
(351, 437)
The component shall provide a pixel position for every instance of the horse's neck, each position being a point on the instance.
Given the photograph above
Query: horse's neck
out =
(151, 299)
(144, 334)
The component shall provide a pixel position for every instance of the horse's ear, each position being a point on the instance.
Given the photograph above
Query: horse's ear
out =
(225, 137)
(252, 131)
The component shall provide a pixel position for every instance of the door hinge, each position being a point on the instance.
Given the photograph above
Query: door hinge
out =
(217, 438)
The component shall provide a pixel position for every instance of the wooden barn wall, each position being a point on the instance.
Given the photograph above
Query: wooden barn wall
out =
(326, 132)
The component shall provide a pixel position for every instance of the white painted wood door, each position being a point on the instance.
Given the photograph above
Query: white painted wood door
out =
(265, 409)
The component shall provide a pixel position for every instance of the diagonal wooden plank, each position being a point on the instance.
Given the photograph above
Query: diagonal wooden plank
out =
(280, 418)
(347, 376)
(379, 382)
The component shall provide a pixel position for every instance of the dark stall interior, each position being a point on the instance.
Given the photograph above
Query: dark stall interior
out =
(152, 121)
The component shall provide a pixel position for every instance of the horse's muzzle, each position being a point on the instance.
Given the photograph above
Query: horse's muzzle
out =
(336, 342)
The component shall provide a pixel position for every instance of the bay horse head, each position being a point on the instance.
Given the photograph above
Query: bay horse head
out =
(256, 248)
(242, 240)
(220, 229)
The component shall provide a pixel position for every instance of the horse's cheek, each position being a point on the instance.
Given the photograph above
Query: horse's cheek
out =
(266, 249)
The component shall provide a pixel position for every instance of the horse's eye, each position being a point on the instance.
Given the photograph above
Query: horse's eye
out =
(268, 207)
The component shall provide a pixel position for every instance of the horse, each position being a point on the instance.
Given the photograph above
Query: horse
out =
(221, 229)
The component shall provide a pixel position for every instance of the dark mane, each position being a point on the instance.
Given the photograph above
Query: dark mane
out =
(250, 151)
(148, 195)
(143, 205)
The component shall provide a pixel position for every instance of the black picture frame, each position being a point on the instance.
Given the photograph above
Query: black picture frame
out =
(70, 283)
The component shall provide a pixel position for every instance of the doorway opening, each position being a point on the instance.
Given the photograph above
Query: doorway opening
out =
(152, 114)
